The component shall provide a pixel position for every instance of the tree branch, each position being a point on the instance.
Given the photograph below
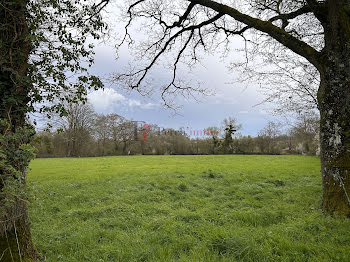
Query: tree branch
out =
(184, 16)
(304, 10)
(296, 45)
(143, 72)
(314, 4)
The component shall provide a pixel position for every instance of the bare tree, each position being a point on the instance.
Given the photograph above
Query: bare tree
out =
(230, 127)
(76, 124)
(318, 31)
(272, 130)
(213, 133)
(102, 132)
(305, 132)
(126, 133)
(267, 136)
(109, 128)
(115, 121)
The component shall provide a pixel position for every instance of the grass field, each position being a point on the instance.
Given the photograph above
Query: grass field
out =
(183, 208)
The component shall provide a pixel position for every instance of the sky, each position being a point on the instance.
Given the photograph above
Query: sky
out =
(228, 98)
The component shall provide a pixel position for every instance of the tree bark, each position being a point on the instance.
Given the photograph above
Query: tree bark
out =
(15, 236)
(334, 105)
(16, 243)
(335, 142)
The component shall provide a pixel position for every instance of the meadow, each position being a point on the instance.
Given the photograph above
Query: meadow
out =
(183, 208)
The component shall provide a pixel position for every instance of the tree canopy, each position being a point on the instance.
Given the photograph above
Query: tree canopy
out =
(183, 30)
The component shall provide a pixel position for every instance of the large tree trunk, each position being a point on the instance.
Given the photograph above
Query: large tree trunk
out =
(334, 105)
(335, 142)
(15, 237)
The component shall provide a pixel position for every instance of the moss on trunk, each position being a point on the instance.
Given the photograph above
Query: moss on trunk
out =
(335, 198)
(16, 244)
(334, 105)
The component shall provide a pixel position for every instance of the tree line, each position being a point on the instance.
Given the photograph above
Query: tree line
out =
(84, 133)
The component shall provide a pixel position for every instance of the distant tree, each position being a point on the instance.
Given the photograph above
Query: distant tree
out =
(306, 132)
(102, 132)
(230, 127)
(115, 121)
(76, 124)
(227, 142)
(231, 121)
(271, 130)
(44, 143)
(213, 133)
(244, 144)
(268, 136)
(126, 134)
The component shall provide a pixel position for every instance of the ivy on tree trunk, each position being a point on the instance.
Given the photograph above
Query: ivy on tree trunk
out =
(37, 50)
(15, 152)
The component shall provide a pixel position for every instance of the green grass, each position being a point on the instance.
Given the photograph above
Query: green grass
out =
(183, 208)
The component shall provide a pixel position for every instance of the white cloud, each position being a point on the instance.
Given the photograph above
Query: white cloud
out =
(106, 100)
(148, 106)
(137, 103)
(133, 102)
(102, 100)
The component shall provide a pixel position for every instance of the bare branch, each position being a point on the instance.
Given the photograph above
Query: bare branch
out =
(296, 45)
(144, 71)
(285, 17)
